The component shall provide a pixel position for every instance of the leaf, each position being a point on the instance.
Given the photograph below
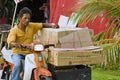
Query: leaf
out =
(90, 9)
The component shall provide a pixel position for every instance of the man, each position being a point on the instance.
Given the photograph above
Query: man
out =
(23, 33)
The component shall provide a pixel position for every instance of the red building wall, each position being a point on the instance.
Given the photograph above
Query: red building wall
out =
(63, 7)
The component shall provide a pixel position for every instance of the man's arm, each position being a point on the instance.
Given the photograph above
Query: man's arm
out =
(50, 25)
(11, 39)
(14, 44)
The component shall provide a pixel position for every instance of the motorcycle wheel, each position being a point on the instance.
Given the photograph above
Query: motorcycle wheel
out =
(46, 78)
(7, 73)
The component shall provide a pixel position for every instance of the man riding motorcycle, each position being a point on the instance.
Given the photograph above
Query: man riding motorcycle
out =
(23, 33)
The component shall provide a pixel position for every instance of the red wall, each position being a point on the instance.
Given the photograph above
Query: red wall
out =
(62, 7)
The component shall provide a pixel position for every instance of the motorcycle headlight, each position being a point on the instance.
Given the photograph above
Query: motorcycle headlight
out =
(38, 47)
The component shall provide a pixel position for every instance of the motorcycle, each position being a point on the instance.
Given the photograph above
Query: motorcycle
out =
(6, 63)
(41, 71)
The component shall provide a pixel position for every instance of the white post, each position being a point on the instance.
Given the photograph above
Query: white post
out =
(13, 19)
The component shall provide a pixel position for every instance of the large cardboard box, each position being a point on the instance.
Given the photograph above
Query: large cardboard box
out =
(76, 56)
(66, 37)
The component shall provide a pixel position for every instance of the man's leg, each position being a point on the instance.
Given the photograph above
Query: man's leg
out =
(29, 66)
(18, 66)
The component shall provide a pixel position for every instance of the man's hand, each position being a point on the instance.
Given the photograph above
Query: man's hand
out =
(14, 44)
(54, 25)
(50, 25)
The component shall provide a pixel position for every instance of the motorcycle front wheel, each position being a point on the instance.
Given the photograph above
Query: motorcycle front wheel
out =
(46, 78)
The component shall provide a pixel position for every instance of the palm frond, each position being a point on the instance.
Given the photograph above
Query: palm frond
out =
(108, 39)
(99, 36)
(91, 10)
(111, 53)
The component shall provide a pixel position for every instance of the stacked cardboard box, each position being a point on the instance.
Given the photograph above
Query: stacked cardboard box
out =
(73, 46)
(66, 37)
(76, 56)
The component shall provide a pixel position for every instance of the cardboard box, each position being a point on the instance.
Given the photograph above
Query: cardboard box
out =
(66, 37)
(76, 56)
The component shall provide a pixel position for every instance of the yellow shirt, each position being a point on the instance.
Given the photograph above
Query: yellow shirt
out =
(21, 37)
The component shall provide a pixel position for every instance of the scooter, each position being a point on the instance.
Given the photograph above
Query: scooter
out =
(41, 71)
(6, 63)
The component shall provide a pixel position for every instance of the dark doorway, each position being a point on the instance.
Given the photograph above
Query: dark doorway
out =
(34, 5)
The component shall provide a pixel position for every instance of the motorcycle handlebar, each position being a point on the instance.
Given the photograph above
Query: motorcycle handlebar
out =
(24, 47)
(32, 47)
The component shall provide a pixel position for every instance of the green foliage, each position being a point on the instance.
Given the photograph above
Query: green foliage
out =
(109, 9)
(102, 74)
(100, 36)
(111, 49)
(111, 53)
